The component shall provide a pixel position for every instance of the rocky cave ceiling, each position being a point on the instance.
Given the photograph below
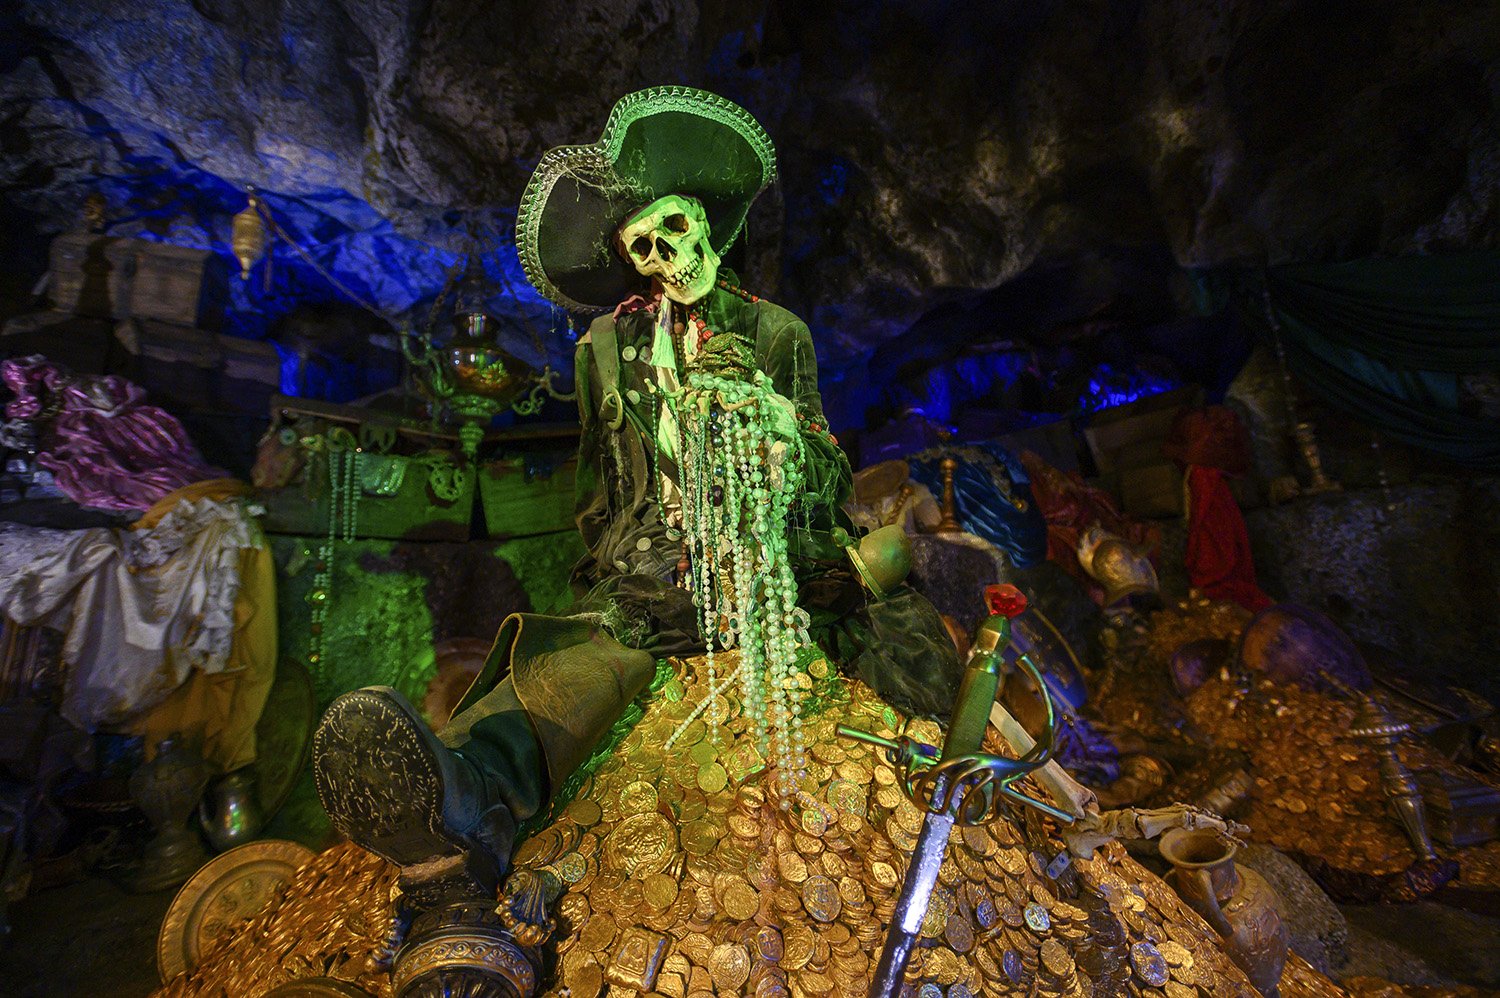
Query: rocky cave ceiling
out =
(930, 151)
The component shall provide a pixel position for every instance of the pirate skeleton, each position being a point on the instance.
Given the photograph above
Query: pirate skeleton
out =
(709, 501)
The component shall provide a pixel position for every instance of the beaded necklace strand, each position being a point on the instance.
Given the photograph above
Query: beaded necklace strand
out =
(738, 482)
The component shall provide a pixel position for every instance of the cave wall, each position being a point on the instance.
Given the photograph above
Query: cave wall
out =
(930, 151)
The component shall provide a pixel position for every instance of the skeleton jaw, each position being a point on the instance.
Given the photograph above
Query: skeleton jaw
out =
(690, 283)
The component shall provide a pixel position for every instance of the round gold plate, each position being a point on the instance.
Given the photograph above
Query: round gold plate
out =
(283, 736)
(226, 891)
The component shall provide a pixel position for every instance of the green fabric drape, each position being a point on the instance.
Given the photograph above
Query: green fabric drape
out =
(1385, 340)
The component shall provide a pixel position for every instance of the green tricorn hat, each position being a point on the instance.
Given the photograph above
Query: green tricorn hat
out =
(660, 141)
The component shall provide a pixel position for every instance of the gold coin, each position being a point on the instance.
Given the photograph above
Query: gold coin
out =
(740, 900)
(808, 845)
(942, 963)
(585, 812)
(821, 899)
(571, 868)
(703, 753)
(660, 891)
(638, 798)
(792, 866)
(729, 964)
(587, 981)
(845, 795)
(769, 944)
(597, 933)
(712, 778)
(641, 844)
(884, 875)
(1176, 990)
(815, 983)
(1176, 954)
(814, 821)
(959, 933)
(700, 837)
(1056, 958)
(939, 908)
(851, 891)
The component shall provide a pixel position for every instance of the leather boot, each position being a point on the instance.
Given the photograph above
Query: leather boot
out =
(415, 796)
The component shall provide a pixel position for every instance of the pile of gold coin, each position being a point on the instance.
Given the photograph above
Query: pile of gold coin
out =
(1137, 695)
(1316, 790)
(333, 917)
(692, 872)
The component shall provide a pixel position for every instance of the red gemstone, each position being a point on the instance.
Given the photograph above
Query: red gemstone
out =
(1005, 599)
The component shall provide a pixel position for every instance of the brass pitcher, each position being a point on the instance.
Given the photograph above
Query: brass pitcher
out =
(1239, 904)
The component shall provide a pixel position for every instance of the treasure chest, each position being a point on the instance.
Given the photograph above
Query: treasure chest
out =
(178, 284)
(113, 277)
(92, 274)
(194, 367)
(1461, 811)
(362, 473)
(425, 497)
(528, 494)
(1152, 491)
(1130, 435)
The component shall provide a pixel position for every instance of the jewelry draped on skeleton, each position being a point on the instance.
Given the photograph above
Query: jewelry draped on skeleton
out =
(741, 464)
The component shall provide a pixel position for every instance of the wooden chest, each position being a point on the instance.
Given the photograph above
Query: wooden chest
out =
(179, 285)
(193, 367)
(113, 277)
(1460, 811)
(92, 274)
(526, 495)
(399, 500)
(1151, 491)
(1131, 434)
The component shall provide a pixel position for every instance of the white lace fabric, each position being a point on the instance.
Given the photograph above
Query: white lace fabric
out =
(140, 608)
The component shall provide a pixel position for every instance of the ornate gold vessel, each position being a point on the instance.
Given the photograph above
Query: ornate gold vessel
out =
(1239, 904)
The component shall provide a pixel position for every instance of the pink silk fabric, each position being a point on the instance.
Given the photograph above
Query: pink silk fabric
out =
(105, 447)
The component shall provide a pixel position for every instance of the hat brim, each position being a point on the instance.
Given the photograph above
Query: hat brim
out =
(665, 140)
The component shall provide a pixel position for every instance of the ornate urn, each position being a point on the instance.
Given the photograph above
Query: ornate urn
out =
(167, 790)
(1239, 904)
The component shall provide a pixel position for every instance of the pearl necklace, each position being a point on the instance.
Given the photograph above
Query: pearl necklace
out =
(738, 482)
(343, 512)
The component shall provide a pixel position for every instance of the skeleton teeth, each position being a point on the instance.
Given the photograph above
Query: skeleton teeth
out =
(686, 275)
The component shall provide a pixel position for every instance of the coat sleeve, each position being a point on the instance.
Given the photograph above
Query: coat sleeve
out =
(789, 360)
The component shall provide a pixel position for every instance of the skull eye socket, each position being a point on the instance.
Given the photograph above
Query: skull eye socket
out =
(677, 222)
(641, 247)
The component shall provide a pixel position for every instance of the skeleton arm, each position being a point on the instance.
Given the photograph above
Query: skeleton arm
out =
(1094, 828)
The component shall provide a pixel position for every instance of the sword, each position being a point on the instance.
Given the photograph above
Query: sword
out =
(944, 787)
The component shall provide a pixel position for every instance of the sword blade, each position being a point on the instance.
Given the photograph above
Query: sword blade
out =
(911, 908)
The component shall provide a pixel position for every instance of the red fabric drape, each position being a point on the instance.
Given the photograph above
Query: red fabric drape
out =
(1218, 545)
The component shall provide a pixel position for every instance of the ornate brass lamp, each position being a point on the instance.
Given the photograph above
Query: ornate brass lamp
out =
(472, 375)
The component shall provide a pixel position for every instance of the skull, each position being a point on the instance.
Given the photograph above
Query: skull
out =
(668, 240)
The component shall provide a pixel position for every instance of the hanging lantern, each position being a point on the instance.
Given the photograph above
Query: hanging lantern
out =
(248, 238)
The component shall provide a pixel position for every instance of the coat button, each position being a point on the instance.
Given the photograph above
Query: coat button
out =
(644, 544)
(628, 354)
